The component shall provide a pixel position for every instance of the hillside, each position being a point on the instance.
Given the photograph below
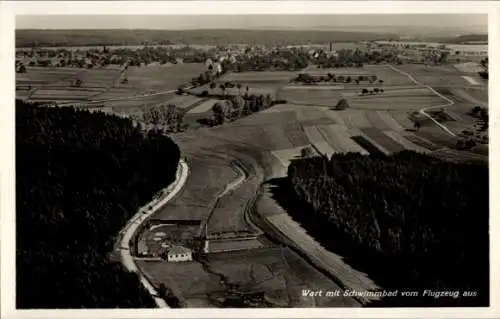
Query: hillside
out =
(79, 177)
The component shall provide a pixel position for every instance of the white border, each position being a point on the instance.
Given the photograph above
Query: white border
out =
(8, 10)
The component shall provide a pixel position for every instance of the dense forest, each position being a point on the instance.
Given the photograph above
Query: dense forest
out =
(26, 38)
(412, 222)
(79, 177)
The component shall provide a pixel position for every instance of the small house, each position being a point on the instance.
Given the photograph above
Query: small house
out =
(179, 253)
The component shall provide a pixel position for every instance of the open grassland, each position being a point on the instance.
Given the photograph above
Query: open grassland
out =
(436, 75)
(40, 75)
(261, 78)
(208, 178)
(140, 101)
(228, 213)
(185, 279)
(183, 101)
(391, 99)
(99, 77)
(118, 93)
(161, 78)
(204, 107)
(68, 94)
(469, 67)
(217, 246)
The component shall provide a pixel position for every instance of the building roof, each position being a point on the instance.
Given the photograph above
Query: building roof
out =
(178, 250)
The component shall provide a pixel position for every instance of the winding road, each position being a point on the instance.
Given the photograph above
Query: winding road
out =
(134, 223)
(425, 109)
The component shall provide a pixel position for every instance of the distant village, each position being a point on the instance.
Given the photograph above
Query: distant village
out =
(240, 58)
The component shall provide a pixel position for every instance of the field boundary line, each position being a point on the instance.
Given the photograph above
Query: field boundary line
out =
(127, 98)
(136, 221)
(423, 111)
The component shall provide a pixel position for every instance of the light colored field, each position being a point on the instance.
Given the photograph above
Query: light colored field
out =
(313, 70)
(295, 133)
(228, 215)
(354, 118)
(380, 102)
(277, 137)
(286, 155)
(471, 80)
(313, 134)
(434, 76)
(280, 108)
(265, 76)
(45, 74)
(400, 119)
(325, 149)
(203, 107)
(161, 78)
(469, 67)
(313, 87)
(339, 137)
(394, 99)
(389, 121)
(406, 143)
(140, 101)
(208, 177)
(381, 139)
(184, 279)
(62, 94)
(310, 96)
(183, 101)
(310, 114)
(220, 246)
(117, 93)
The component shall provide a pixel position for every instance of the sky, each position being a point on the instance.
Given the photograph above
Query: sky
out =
(472, 22)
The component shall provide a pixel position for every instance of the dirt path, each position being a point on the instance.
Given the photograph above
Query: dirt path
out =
(133, 225)
(127, 98)
(424, 110)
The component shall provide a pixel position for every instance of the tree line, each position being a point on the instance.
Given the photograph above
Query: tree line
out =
(414, 222)
(237, 106)
(80, 177)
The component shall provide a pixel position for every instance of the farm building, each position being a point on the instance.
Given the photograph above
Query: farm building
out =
(179, 253)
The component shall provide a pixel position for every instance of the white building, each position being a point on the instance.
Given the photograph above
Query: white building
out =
(179, 253)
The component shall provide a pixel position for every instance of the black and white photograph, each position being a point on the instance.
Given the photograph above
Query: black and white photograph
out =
(329, 160)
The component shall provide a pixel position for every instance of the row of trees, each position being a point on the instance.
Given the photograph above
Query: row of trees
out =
(237, 106)
(80, 177)
(419, 222)
(371, 92)
(331, 77)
